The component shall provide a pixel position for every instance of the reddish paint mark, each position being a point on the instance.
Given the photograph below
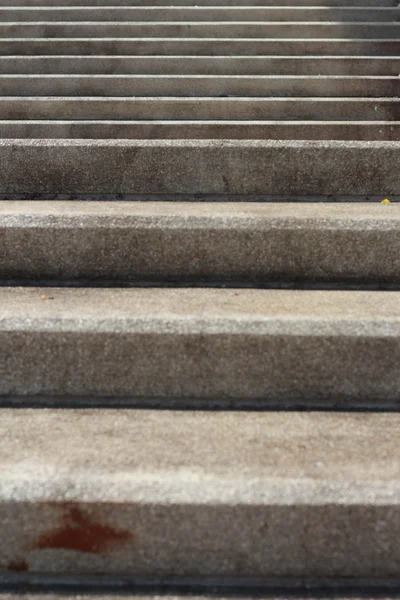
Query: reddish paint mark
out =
(78, 532)
(18, 565)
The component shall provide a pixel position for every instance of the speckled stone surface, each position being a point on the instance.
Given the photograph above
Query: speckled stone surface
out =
(265, 345)
(198, 166)
(197, 494)
(166, 240)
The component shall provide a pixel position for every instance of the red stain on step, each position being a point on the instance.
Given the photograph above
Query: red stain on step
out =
(79, 532)
(19, 566)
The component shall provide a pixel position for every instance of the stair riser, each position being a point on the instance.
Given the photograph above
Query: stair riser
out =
(201, 30)
(187, 46)
(214, 130)
(213, 541)
(200, 14)
(199, 108)
(160, 65)
(170, 85)
(202, 167)
(349, 361)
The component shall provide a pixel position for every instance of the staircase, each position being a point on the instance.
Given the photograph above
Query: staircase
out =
(199, 300)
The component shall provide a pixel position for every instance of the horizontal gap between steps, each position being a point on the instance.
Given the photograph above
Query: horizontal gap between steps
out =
(281, 588)
(195, 198)
(270, 284)
(191, 404)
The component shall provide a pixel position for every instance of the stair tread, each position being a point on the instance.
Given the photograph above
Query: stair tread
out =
(189, 310)
(195, 455)
(295, 494)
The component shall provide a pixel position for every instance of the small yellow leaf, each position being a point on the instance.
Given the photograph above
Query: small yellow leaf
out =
(385, 201)
(43, 297)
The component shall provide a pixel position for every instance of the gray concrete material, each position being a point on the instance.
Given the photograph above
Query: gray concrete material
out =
(200, 85)
(199, 46)
(200, 495)
(199, 167)
(155, 107)
(195, 13)
(282, 590)
(227, 29)
(224, 3)
(268, 346)
(217, 129)
(205, 241)
(207, 65)
(271, 590)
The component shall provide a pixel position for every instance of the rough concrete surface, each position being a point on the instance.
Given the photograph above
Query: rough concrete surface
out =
(194, 129)
(200, 46)
(200, 108)
(199, 166)
(205, 29)
(200, 494)
(190, 65)
(266, 345)
(228, 241)
(142, 107)
(323, 3)
(200, 85)
(196, 13)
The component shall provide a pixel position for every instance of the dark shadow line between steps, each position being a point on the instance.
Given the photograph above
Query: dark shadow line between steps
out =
(195, 198)
(184, 283)
(183, 404)
(295, 588)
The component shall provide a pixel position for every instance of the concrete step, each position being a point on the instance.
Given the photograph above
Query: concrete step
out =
(243, 242)
(221, 129)
(199, 46)
(259, 51)
(201, 65)
(155, 107)
(200, 496)
(193, 29)
(200, 85)
(295, 168)
(266, 347)
(195, 13)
